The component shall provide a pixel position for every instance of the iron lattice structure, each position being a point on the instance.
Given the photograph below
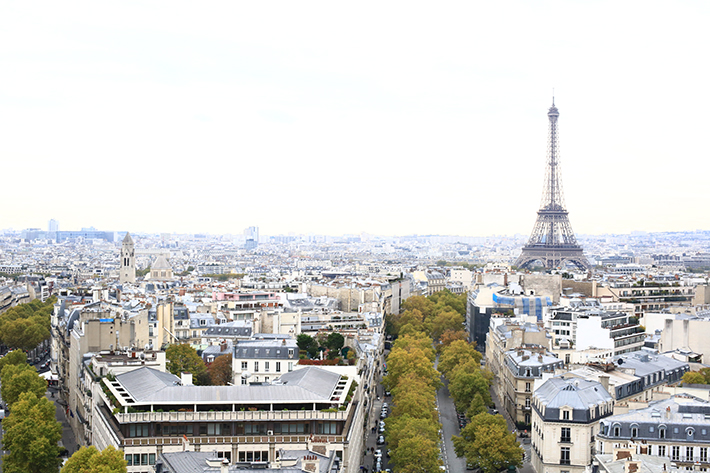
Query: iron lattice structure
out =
(552, 241)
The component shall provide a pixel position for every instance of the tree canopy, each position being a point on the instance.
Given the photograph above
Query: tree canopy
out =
(15, 357)
(220, 370)
(19, 379)
(433, 315)
(183, 358)
(487, 444)
(26, 325)
(31, 435)
(91, 460)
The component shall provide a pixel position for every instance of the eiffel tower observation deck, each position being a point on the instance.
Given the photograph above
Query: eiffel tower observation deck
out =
(552, 241)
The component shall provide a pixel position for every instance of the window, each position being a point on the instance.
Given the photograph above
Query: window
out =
(617, 431)
(675, 453)
(662, 433)
(704, 454)
(327, 428)
(634, 432)
(278, 366)
(266, 366)
(244, 381)
(254, 456)
(290, 366)
(256, 366)
(244, 365)
(565, 415)
(689, 453)
(564, 456)
(527, 387)
(566, 435)
(661, 450)
(527, 402)
(203, 322)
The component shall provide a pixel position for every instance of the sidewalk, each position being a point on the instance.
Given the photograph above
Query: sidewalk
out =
(68, 438)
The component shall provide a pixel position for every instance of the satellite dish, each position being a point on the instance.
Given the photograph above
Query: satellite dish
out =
(246, 375)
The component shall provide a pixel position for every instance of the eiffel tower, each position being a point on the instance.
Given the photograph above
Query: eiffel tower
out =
(552, 241)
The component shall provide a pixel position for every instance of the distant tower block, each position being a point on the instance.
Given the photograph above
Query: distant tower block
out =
(128, 260)
(552, 241)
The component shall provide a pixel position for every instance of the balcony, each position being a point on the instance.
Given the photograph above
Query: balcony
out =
(241, 439)
(227, 416)
(566, 440)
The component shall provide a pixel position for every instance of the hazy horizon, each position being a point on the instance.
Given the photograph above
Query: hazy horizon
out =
(330, 118)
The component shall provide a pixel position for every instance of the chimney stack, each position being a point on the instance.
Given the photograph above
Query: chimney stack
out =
(604, 380)
(186, 378)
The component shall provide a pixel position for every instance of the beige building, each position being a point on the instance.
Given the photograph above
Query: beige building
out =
(676, 429)
(687, 333)
(523, 367)
(79, 333)
(161, 270)
(508, 334)
(566, 415)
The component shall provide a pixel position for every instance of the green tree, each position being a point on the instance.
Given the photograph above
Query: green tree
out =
(487, 444)
(449, 336)
(693, 377)
(335, 341)
(183, 358)
(31, 436)
(403, 426)
(416, 454)
(220, 370)
(465, 385)
(405, 364)
(15, 357)
(19, 379)
(415, 398)
(447, 299)
(706, 373)
(421, 303)
(90, 460)
(477, 406)
(446, 319)
(27, 325)
(457, 353)
(308, 344)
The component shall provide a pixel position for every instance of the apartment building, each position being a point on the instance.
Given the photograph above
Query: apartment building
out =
(263, 358)
(584, 326)
(636, 376)
(677, 429)
(147, 412)
(565, 418)
(521, 369)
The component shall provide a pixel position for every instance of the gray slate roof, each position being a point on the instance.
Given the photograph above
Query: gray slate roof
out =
(574, 393)
(149, 386)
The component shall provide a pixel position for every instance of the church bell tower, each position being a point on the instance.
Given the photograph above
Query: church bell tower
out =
(128, 260)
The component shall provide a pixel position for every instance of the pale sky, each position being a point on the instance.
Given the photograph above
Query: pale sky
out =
(332, 117)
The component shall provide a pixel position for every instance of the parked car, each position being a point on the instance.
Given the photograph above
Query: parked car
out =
(381, 440)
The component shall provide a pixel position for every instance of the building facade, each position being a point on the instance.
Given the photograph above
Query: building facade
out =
(566, 417)
(677, 428)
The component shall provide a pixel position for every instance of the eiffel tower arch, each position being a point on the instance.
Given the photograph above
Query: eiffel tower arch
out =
(552, 241)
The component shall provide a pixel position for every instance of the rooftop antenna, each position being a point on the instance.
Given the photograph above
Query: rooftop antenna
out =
(553, 96)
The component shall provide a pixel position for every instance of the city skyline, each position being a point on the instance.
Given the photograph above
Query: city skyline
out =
(325, 119)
